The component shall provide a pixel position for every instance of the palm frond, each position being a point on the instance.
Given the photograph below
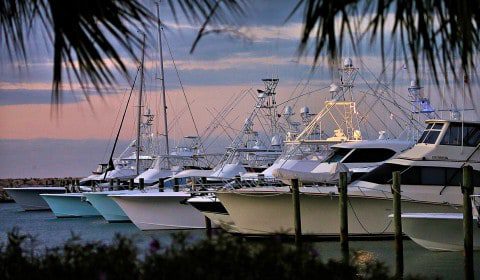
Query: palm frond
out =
(86, 36)
(439, 31)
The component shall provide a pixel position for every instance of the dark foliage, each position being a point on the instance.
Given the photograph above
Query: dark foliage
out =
(224, 257)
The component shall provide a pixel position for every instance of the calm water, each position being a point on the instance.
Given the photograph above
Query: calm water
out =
(50, 232)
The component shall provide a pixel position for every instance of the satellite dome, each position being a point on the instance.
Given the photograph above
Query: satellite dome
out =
(334, 88)
(304, 110)
(348, 62)
(276, 140)
(288, 111)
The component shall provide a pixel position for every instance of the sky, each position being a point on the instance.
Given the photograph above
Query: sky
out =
(38, 141)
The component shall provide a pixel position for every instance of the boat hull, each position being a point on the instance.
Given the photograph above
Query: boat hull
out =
(213, 209)
(29, 198)
(439, 232)
(108, 208)
(267, 213)
(160, 211)
(70, 205)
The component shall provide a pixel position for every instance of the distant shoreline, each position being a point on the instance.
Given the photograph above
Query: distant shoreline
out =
(19, 182)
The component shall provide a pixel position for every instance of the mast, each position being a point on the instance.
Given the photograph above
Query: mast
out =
(139, 111)
(162, 78)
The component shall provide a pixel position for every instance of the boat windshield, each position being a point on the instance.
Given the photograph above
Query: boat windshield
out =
(431, 133)
(369, 155)
(454, 135)
(338, 155)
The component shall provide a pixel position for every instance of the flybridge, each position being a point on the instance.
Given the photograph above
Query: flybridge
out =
(453, 133)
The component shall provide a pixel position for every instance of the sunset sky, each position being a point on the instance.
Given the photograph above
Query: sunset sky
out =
(37, 141)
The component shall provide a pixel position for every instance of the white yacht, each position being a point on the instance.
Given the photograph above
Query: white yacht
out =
(29, 197)
(122, 168)
(441, 231)
(431, 175)
(268, 210)
(160, 210)
(178, 160)
(148, 211)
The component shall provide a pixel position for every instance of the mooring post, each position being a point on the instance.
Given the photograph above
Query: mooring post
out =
(176, 186)
(141, 183)
(130, 184)
(110, 188)
(397, 217)
(119, 182)
(297, 220)
(208, 226)
(343, 208)
(260, 179)
(161, 185)
(467, 190)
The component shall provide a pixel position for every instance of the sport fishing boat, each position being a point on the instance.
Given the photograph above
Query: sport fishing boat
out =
(69, 205)
(29, 197)
(304, 150)
(267, 210)
(124, 167)
(441, 231)
(189, 155)
(247, 152)
(178, 160)
(430, 178)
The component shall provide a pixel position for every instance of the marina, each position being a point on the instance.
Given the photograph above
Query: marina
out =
(178, 152)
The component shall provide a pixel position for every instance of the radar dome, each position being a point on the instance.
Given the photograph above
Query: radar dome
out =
(288, 111)
(304, 110)
(348, 62)
(334, 88)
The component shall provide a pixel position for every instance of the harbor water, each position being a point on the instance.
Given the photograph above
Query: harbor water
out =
(50, 232)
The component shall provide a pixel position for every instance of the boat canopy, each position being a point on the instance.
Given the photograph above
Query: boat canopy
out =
(324, 176)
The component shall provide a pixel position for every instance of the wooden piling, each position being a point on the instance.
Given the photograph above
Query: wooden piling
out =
(467, 190)
(141, 183)
(297, 220)
(260, 179)
(176, 186)
(208, 226)
(119, 182)
(343, 208)
(131, 185)
(397, 217)
(161, 185)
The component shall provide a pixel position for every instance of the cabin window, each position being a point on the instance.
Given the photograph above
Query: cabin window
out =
(419, 175)
(338, 155)
(429, 137)
(453, 135)
(431, 133)
(369, 155)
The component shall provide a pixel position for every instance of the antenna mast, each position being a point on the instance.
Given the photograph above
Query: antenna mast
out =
(162, 78)
(139, 112)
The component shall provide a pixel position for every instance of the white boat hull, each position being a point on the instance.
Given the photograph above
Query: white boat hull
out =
(266, 213)
(29, 198)
(160, 211)
(70, 205)
(439, 232)
(213, 209)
